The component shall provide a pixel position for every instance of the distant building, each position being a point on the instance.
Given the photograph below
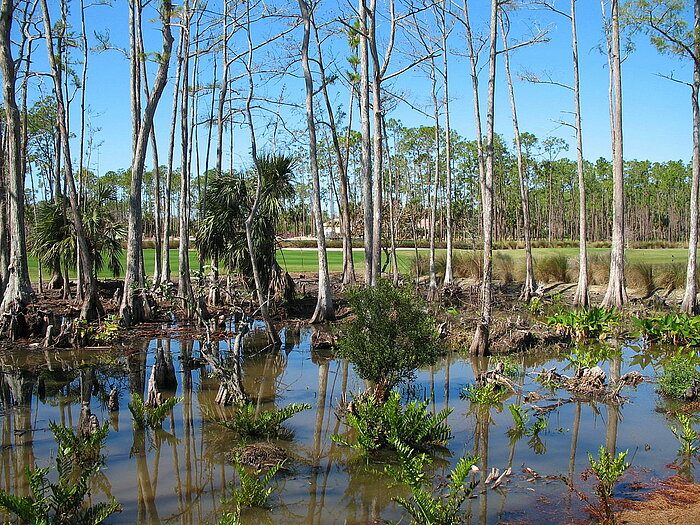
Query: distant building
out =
(332, 228)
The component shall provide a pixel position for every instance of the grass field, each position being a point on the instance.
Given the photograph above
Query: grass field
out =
(304, 260)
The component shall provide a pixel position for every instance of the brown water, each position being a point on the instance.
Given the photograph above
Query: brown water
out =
(179, 474)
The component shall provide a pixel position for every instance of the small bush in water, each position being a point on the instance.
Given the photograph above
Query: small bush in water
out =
(489, 394)
(678, 374)
(150, 417)
(252, 489)
(607, 470)
(673, 328)
(266, 424)
(390, 336)
(428, 506)
(379, 425)
(593, 322)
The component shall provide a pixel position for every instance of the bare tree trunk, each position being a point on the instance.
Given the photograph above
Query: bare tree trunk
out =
(480, 343)
(616, 294)
(184, 289)
(366, 172)
(324, 305)
(448, 277)
(272, 334)
(377, 140)
(348, 263)
(432, 286)
(581, 298)
(4, 226)
(134, 307)
(165, 270)
(392, 221)
(18, 289)
(690, 302)
(91, 307)
(530, 285)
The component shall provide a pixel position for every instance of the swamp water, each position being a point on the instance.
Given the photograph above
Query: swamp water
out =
(179, 474)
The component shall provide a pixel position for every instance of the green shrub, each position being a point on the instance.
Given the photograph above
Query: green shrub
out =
(378, 425)
(150, 417)
(490, 394)
(390, 336)
(83, 451)
(428, 505)
(607, 470)
(266, 424)
(252, 489)
(64, 501)
(673, 328)
(582, 324)
(678, 374)
(687, 435)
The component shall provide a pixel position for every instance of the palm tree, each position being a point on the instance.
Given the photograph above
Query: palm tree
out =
(221, 235)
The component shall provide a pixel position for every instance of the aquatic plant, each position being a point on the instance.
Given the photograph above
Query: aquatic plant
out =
(253, 488)
(429, 506)
(60, 502)
(679, 373)
(265, 424)
(687, 435)
(378, 425)
(488, 394)
(589, 356)
(586, 323)
(607, 470)
(150, 417)
(390, 336)
(672, 328)
(82, 449)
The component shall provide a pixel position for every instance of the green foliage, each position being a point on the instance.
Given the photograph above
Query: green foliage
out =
(150, 417)
(672, 328)
(679, 373)
(82, 450)
(489, 394)
(62, 502)
(427, 505)
(536, 305)
(511, 368)
(252, 489)
(379, 425)
(589, 356)
(608, 469)
(520, 419)
(686, 435)
(266, 424)
(582, 324)
(390, 336)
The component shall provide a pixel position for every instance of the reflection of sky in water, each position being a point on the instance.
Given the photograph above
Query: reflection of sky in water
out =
(176, 475)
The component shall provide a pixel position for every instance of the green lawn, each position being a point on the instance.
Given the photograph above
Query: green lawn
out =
(300, 260)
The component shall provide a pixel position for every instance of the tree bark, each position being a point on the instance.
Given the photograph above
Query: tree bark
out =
(616, 294)
(134, 307)
(448, 277)
(581, 297)
(366, 162)
(324, 304)
(480, 343)
(377, 140)
(530, 285)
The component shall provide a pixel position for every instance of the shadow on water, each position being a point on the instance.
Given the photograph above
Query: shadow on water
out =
(179, 474)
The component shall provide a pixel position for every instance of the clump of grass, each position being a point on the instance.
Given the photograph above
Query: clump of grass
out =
(640, 275)
(599, 268)
(679, 373)
(419, 265)
(468, 264)
(503, 267)
(552, 268)
(265, 424)
(490, 394)
(672, 276)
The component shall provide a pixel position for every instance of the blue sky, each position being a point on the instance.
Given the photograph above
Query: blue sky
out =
(657, 118)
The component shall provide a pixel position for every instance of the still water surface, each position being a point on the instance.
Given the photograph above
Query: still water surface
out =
(179, 474)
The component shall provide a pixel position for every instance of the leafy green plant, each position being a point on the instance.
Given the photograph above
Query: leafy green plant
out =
(583, 324)
(62, 502)
(150, 417)
(679, 373)
(266, 424)
(252, 489)
(511, 368)
(520, 419)
(589, 356)
(390, 336)
(82, 450)
(607, 470)
(429, 506)
(489, 394)
(109, 329)
(536, 305)
(672, 328)
(378, 425)
(687, 435)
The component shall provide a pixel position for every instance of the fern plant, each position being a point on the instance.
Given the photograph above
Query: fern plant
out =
(252, 489)
(266, 424)
(428, 506)
(62, 502)
(150, 417)
(83, 450)
(379, 425)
